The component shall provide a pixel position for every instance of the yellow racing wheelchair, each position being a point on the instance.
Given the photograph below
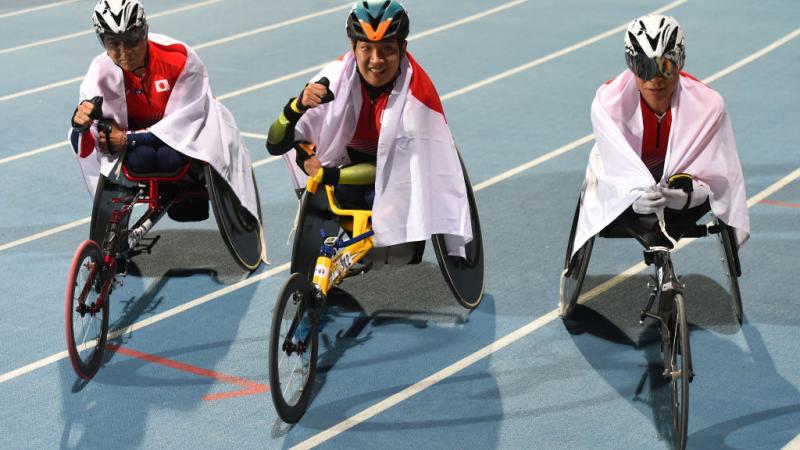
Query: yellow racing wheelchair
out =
(330, 244)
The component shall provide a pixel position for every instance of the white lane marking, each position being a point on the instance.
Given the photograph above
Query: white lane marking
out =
(35, 8)
(754, 56)
(319, 67)
(41, 88)
(35, 151)
(280, 79)
(554, 55)
(535, 162)
(292, 75)
(495, 346)
(794, 444)
(150, 320)
(44, 234)
(427, 382)
(87, 32)
(275, 26)
(594, 292)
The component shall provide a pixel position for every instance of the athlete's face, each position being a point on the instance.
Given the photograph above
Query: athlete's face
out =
(657, 92)
(125, 52)
(378, 62)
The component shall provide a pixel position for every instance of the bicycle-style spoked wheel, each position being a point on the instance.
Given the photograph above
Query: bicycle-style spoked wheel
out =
(678, 369)
(86, 310)
(293, 346)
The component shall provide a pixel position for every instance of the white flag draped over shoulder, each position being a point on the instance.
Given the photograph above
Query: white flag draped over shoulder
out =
(701, 143)
(194, 123)
(419, 186)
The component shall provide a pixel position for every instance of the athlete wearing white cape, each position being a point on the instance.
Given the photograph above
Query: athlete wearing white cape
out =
(701, 143)
(194, 123)
(419, 186)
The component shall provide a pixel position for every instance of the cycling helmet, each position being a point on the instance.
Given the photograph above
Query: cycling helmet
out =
(123, 18)
(377, 20)
(653, 46)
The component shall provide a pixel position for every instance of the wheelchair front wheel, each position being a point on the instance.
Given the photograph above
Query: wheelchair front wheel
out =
(678, 368)
(293, 347)
(86, 310)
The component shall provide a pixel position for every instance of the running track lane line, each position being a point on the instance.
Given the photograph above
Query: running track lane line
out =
(274, 81)
(206, 298)
(501, 343)
(258, 86)
(250, 387)
(35, 8)
(533, 163)
(87, 32)
(538, 323)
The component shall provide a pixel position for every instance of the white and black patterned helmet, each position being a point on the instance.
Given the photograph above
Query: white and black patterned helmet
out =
(117, 17)
(653, 46)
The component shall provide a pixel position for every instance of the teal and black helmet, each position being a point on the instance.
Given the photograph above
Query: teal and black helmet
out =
(377, 20)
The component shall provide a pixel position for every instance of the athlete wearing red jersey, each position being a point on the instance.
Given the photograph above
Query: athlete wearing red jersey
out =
(156, 93)
(652, 124)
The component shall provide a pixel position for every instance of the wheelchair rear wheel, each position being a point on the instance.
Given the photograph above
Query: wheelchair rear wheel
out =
(464, 276)
(730, 265)
(678, 368)
(293, 347)
(86, 316)
(240, 230)
(575, 268)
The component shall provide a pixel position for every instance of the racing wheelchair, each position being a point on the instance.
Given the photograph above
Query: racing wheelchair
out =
(666, 288)
(100, 261)
(331, 242)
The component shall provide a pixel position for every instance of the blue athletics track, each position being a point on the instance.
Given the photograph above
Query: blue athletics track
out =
(408, 367)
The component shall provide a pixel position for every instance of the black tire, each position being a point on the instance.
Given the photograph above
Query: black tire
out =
(103, 207)
(678, 368)
(86, 325)
(240, 231)
(314, 214)
(294, 304)
(575, 268)
(464, 276)
(730, 265)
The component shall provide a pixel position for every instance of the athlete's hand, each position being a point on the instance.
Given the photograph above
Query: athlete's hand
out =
(118, 138)
(81, 117)
(311, 165)
(649, 203)
(313, 95)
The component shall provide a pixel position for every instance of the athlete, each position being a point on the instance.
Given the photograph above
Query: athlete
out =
(156, 92)
(664, 142)
(373, 122)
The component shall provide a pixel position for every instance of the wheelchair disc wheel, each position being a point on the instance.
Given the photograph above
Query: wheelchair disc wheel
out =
(464, 276)
(730, 267)
(678, 368)
(292, 357)
(86, 319)
(240, 231)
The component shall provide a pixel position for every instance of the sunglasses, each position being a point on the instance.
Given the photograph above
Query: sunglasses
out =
(648, 68)
(128, 39)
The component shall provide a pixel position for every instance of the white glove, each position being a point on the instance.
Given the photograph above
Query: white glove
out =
(649, 203)
(676, 198)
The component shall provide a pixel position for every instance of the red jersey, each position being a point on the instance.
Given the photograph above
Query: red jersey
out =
(655, 138)
(147, 96)
(368, 127)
